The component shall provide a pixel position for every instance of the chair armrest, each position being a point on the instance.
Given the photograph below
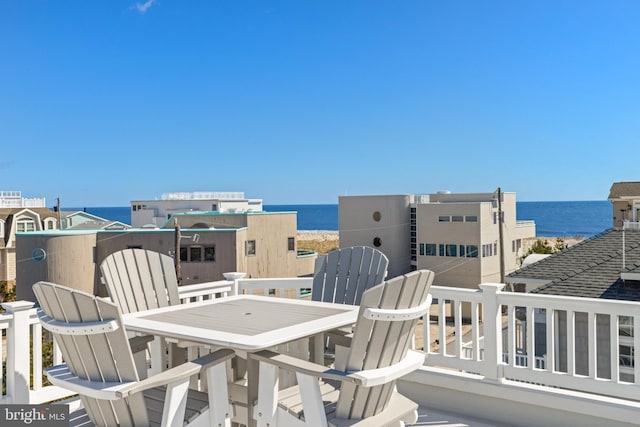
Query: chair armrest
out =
(61, 376)
(367, 378)
(139, 343)
(179, 372)
(340, 337)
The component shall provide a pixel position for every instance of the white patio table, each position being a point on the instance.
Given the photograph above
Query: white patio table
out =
(245, 323)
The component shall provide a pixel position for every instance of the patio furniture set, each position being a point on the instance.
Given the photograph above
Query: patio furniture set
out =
(356, 331)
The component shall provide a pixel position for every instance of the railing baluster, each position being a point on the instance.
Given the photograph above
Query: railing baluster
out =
(475, 331)
(592, 344)
(571, 342)
(442, 327)
(551, 343)
(614, 348)
(36, 330)
(511, 335)
(457, 318)
(531, 340)
(636, 347)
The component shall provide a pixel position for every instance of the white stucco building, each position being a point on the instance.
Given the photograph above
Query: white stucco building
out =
(458, 236)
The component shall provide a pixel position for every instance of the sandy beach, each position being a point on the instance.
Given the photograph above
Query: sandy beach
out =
(311, 239)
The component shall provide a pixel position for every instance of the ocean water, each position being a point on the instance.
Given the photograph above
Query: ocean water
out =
(553, 219)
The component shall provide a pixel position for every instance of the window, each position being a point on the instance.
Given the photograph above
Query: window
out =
(183, 254)
(472, 251)
(377, 242)
(251, 247)
(195, 253)
(209, 253)
(471, 218)
(49, 225)
(625, 326)
(423, 249)
(457, 218)
(134, 246)
(516, 245)
(462, 247)
(377, 216)
(495, 248)
(25, 225)
(451, 250)
(431, 249)
(487, 250)
(441, 249)
(444, 218)
(133, 208)
(626, 356)
(291, 243)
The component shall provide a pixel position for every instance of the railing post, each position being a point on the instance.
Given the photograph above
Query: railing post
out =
(18, 354)
(234, 276)
(492, 330)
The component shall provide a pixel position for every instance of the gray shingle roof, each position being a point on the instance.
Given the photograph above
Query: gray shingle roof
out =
(622, 189)
(589, 269)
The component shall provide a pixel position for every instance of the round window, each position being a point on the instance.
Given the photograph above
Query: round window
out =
(377, 242)
(376, 216)
(38, 255)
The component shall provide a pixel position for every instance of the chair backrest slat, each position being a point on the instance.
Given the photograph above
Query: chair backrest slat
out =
(139, 279)
(100, 357)
(341, 276)
(378, 343)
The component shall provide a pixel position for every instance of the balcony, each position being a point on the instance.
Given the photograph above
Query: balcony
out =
(479, 345)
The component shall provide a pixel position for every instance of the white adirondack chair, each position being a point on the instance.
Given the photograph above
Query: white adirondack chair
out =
(366, 372)
(100, 368)
(342, 275)
(140, 279)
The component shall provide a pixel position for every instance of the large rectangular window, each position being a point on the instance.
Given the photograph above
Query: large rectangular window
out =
(444, 218)
(209, 253)
(471, 218)
(457, 218)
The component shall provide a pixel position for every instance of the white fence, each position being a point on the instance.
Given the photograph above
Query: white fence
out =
(578, 340)
(478, 332)
(23, 352)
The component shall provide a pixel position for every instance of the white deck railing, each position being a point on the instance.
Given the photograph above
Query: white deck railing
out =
(21, 346)
(572, 350)
(479, 319)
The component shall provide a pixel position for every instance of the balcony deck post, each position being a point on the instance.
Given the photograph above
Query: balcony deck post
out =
(492, 330)
(18, 353)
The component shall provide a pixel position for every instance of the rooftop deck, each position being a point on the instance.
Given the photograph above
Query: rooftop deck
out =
(493, 358)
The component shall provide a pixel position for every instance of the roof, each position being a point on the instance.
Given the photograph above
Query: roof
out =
(624, 189)
(43, 212)
(590, 269)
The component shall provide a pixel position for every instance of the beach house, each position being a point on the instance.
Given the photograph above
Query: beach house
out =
(606, 266)
(465, 238)
(157, 212)
(258, 243)
(19, 214)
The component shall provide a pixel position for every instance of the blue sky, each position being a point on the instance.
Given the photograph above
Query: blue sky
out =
(104, 102)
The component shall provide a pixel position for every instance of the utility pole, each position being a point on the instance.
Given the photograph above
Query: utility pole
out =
(58, 211)
(176, 257)
(501, 235)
